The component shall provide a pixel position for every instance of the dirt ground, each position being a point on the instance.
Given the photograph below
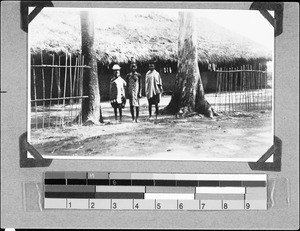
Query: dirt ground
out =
(230, 137)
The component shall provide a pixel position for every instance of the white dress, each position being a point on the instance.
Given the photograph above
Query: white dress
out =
(117, 89)
(153, 79)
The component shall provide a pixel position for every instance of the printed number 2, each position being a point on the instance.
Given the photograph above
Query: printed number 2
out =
(92, 205)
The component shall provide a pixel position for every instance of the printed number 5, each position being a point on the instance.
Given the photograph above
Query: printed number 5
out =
(158, 206)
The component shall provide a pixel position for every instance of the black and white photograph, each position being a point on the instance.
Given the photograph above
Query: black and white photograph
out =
(151, 84)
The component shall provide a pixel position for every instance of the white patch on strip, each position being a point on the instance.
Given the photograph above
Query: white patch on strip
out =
(231, 190)
(170, 196)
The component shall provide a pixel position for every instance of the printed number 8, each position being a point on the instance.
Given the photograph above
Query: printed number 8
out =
(225, 206)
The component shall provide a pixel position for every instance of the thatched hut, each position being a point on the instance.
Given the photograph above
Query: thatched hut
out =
(142, 36)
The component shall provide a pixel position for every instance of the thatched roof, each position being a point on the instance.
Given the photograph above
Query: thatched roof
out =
(142, 36)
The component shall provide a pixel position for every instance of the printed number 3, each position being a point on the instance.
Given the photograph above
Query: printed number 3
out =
(114, 205)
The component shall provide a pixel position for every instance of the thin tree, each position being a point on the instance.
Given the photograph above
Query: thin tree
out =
(91, 108)
(188, 97)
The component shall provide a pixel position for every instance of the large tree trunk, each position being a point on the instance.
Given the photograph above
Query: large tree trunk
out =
(188, 97)
(91, 109)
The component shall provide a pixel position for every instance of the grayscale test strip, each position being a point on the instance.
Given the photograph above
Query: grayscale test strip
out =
(154, 191)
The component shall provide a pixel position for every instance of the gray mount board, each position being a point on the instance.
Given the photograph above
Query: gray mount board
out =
(14, 71)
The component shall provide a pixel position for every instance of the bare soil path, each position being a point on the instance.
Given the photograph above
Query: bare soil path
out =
(235, 136)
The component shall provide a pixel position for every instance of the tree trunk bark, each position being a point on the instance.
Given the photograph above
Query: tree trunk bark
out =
(188, 97)
(91, 109)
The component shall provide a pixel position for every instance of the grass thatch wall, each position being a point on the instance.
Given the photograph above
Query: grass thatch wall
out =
(142, 36)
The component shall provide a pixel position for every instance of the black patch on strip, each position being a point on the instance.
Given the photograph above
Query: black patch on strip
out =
(230, 183)
(55, 181)
(69, 195)
(119, 195)
(97, 182)
(76, 181)
(206, 183)
(187, 183)
(143, 182)
(119, 182)
(165, 183)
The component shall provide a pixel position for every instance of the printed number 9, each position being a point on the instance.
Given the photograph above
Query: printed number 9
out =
(247, 206)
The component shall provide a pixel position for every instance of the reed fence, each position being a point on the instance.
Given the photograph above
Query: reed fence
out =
(57, 91)
(242, 89)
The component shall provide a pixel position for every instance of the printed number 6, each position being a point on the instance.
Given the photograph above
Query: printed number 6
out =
(180, 205)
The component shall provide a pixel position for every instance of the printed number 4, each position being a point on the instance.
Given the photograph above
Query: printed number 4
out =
(136, 205)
